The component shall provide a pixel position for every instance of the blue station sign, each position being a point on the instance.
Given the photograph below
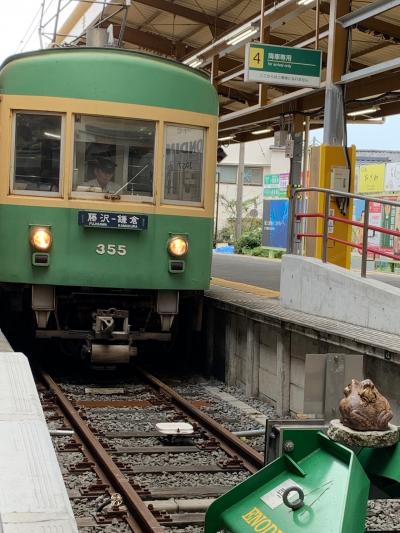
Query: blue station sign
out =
(99, 219)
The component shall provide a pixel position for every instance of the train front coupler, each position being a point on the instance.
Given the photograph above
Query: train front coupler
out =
(111, 340)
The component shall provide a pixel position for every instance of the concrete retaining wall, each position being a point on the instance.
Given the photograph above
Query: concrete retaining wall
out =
(263, 360)
(322, 289)
(266, 358)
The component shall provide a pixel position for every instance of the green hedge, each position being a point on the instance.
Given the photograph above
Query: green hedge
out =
(248, 241)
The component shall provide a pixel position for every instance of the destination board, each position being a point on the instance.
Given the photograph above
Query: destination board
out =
(100, 219)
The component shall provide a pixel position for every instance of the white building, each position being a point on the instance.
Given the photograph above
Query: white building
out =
(261, 158)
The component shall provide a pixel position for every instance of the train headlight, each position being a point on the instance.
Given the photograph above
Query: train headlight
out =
(177, 246)
(41, 238)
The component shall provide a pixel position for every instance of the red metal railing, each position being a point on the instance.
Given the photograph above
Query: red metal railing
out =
(365, 248)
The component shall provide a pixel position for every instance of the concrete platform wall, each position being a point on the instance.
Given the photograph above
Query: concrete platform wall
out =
(322, 289)
(261, 359)
(268, 361)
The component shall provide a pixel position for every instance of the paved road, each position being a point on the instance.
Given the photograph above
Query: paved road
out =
(246, 269)
(265, 273)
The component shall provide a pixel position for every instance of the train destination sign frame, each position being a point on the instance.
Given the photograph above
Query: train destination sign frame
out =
(97, 219)
(283, 65)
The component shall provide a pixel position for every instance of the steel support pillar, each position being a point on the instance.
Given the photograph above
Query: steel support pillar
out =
(334, 116)
(336, 67)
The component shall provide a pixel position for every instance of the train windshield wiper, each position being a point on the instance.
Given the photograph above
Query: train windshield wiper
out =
(116, 195)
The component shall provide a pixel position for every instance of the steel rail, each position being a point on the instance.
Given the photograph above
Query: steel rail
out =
(145, 519)
(230, 443)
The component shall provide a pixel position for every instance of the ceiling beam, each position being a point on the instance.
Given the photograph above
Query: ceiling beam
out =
(372, 25)
(155, 42)
(365, 12)
(389, 109)
(188, 13)
(240, 96)
(313, 98)
(165, 46)
(372, 70)
(309, 35)
(359, 89)
(373, 86)
(233, 72)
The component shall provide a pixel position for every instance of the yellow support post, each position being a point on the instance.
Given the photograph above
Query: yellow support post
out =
(324, 159)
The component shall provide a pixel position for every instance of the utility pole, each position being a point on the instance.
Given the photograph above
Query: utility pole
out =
(239, 192)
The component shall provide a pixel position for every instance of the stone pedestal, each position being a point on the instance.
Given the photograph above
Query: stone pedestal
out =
(362, 439)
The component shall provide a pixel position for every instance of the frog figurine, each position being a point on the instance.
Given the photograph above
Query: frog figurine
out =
(363, 408)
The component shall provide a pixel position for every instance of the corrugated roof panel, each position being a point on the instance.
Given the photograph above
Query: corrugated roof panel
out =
(243, 10)
(173, 26)
(211, 7)
(392, 16)
(201, 38)
(138, 13)
(362, 41)
(299, 26)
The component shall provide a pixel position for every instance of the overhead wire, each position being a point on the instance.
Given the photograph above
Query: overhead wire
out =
(34, 26)
(29, 29)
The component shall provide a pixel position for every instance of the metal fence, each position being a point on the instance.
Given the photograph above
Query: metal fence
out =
(299, 230)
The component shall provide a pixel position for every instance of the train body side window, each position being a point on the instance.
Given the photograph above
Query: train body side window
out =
(113, 156)
(37, 154)
(184, 165)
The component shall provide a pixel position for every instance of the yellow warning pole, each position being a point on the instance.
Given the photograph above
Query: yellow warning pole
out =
(333, 163)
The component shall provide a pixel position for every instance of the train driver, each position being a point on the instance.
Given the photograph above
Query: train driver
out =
(103, 171)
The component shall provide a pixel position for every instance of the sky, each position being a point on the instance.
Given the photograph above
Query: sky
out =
(19, 24)
(19, 32)
(371, 136)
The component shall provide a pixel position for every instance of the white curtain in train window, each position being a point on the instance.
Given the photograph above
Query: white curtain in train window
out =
(184, 154)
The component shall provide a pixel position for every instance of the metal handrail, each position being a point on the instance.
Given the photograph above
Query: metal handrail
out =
(297, 217)
(296, 191)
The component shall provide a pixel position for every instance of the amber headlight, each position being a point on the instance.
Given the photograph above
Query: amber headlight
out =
(177, 246)
(41, 238)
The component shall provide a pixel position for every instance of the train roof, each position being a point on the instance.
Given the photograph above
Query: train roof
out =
(132, 77)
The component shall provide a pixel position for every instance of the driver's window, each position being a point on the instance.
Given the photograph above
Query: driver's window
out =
(37, 154)
(113, 155)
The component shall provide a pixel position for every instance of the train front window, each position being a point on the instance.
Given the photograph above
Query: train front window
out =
(113, 156)
(37, 154)
(183, 172)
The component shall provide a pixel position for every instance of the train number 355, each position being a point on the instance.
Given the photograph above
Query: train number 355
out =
(111, 249)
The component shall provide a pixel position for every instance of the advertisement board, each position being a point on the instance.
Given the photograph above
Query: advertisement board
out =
(371, 178)
(275, 186)
(392, 177)
(275, 223)
(384, 216)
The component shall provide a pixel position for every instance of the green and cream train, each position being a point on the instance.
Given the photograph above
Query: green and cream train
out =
(107, 161)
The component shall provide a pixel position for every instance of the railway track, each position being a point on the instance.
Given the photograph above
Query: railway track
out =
(121, 473)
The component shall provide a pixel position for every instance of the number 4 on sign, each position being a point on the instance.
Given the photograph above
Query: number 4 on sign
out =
(256, 57)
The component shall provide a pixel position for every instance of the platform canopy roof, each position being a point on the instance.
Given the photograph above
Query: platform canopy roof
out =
(359, 40)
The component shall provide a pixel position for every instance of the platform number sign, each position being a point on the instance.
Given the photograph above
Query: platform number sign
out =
(282, 65)
(257, 57)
